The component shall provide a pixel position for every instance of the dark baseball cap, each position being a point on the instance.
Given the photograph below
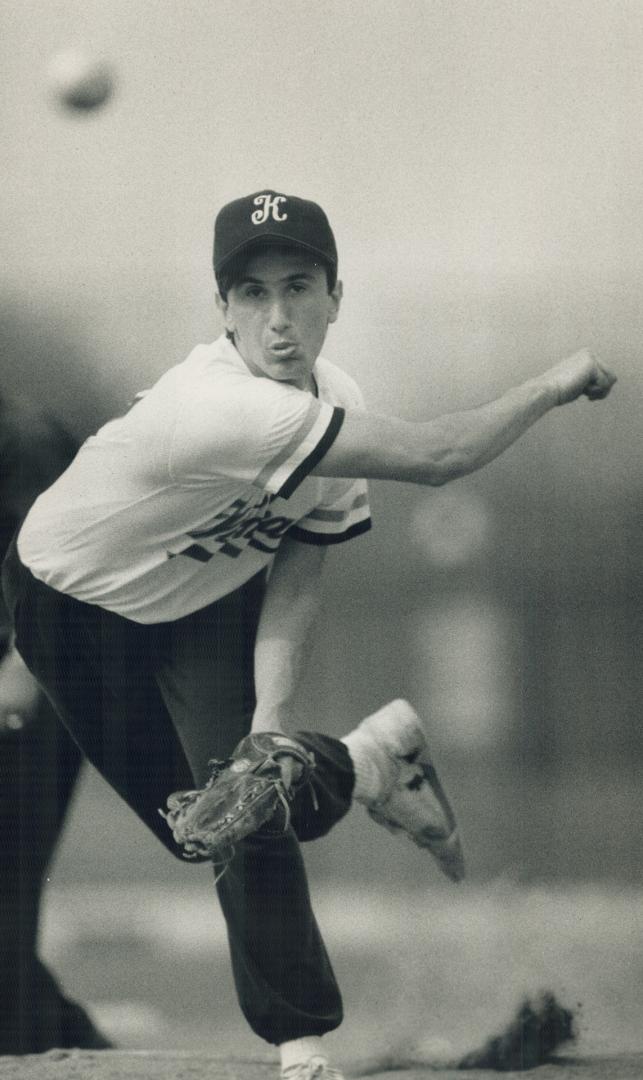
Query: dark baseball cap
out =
(270, 217)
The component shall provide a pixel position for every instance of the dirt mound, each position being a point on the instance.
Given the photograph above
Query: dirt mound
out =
(537, 1030)
(539, 1027)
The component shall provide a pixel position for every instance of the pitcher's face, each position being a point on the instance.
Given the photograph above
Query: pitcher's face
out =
(279, 313)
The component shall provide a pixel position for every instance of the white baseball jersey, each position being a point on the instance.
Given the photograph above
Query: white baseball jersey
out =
(188, 495)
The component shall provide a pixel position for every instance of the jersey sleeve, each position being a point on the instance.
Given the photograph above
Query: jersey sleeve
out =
(343, 510)
(261, 432)
(343, 514)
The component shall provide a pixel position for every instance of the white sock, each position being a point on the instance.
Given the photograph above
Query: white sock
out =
(298, 1051)
(369, 782)
(374, 744)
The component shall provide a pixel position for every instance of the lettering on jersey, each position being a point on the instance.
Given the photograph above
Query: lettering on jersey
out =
(240, 525)
(268, 208)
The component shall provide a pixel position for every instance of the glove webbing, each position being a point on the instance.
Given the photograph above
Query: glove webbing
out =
(284, 795)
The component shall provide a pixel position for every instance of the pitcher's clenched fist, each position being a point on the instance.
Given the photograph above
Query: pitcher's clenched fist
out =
(577, 375)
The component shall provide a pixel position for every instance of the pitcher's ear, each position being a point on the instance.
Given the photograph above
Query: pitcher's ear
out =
(335, 300)
(224, 307)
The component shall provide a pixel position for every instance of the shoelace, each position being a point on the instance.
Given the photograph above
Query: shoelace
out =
(315, 1069)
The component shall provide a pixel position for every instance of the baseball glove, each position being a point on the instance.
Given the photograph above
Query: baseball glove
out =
(249, 792)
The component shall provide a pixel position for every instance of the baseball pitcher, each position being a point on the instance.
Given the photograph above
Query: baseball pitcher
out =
(164, 593)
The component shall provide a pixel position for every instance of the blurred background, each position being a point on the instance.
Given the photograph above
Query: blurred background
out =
(480, 163)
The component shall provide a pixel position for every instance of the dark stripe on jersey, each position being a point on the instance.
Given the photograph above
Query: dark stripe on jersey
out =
(195, 551)
(316, 454)
(335, 515)
(322, 539)
(263, 547)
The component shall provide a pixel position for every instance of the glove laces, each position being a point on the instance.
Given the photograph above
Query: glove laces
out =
(284, 790)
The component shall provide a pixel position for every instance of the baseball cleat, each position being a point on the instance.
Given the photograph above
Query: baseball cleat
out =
(317, 1068)
(413, 800)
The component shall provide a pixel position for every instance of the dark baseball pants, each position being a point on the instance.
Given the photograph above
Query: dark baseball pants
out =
(39, 764)
(148, 706)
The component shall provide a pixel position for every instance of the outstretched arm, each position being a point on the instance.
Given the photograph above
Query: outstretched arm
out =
(385, 448)
(284, 637)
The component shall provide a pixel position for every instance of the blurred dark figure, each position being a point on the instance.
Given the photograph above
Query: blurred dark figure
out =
(39, 765)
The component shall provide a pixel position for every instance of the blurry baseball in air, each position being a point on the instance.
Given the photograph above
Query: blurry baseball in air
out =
(79, 80)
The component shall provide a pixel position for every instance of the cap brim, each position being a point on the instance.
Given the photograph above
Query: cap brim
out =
(273, 238)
